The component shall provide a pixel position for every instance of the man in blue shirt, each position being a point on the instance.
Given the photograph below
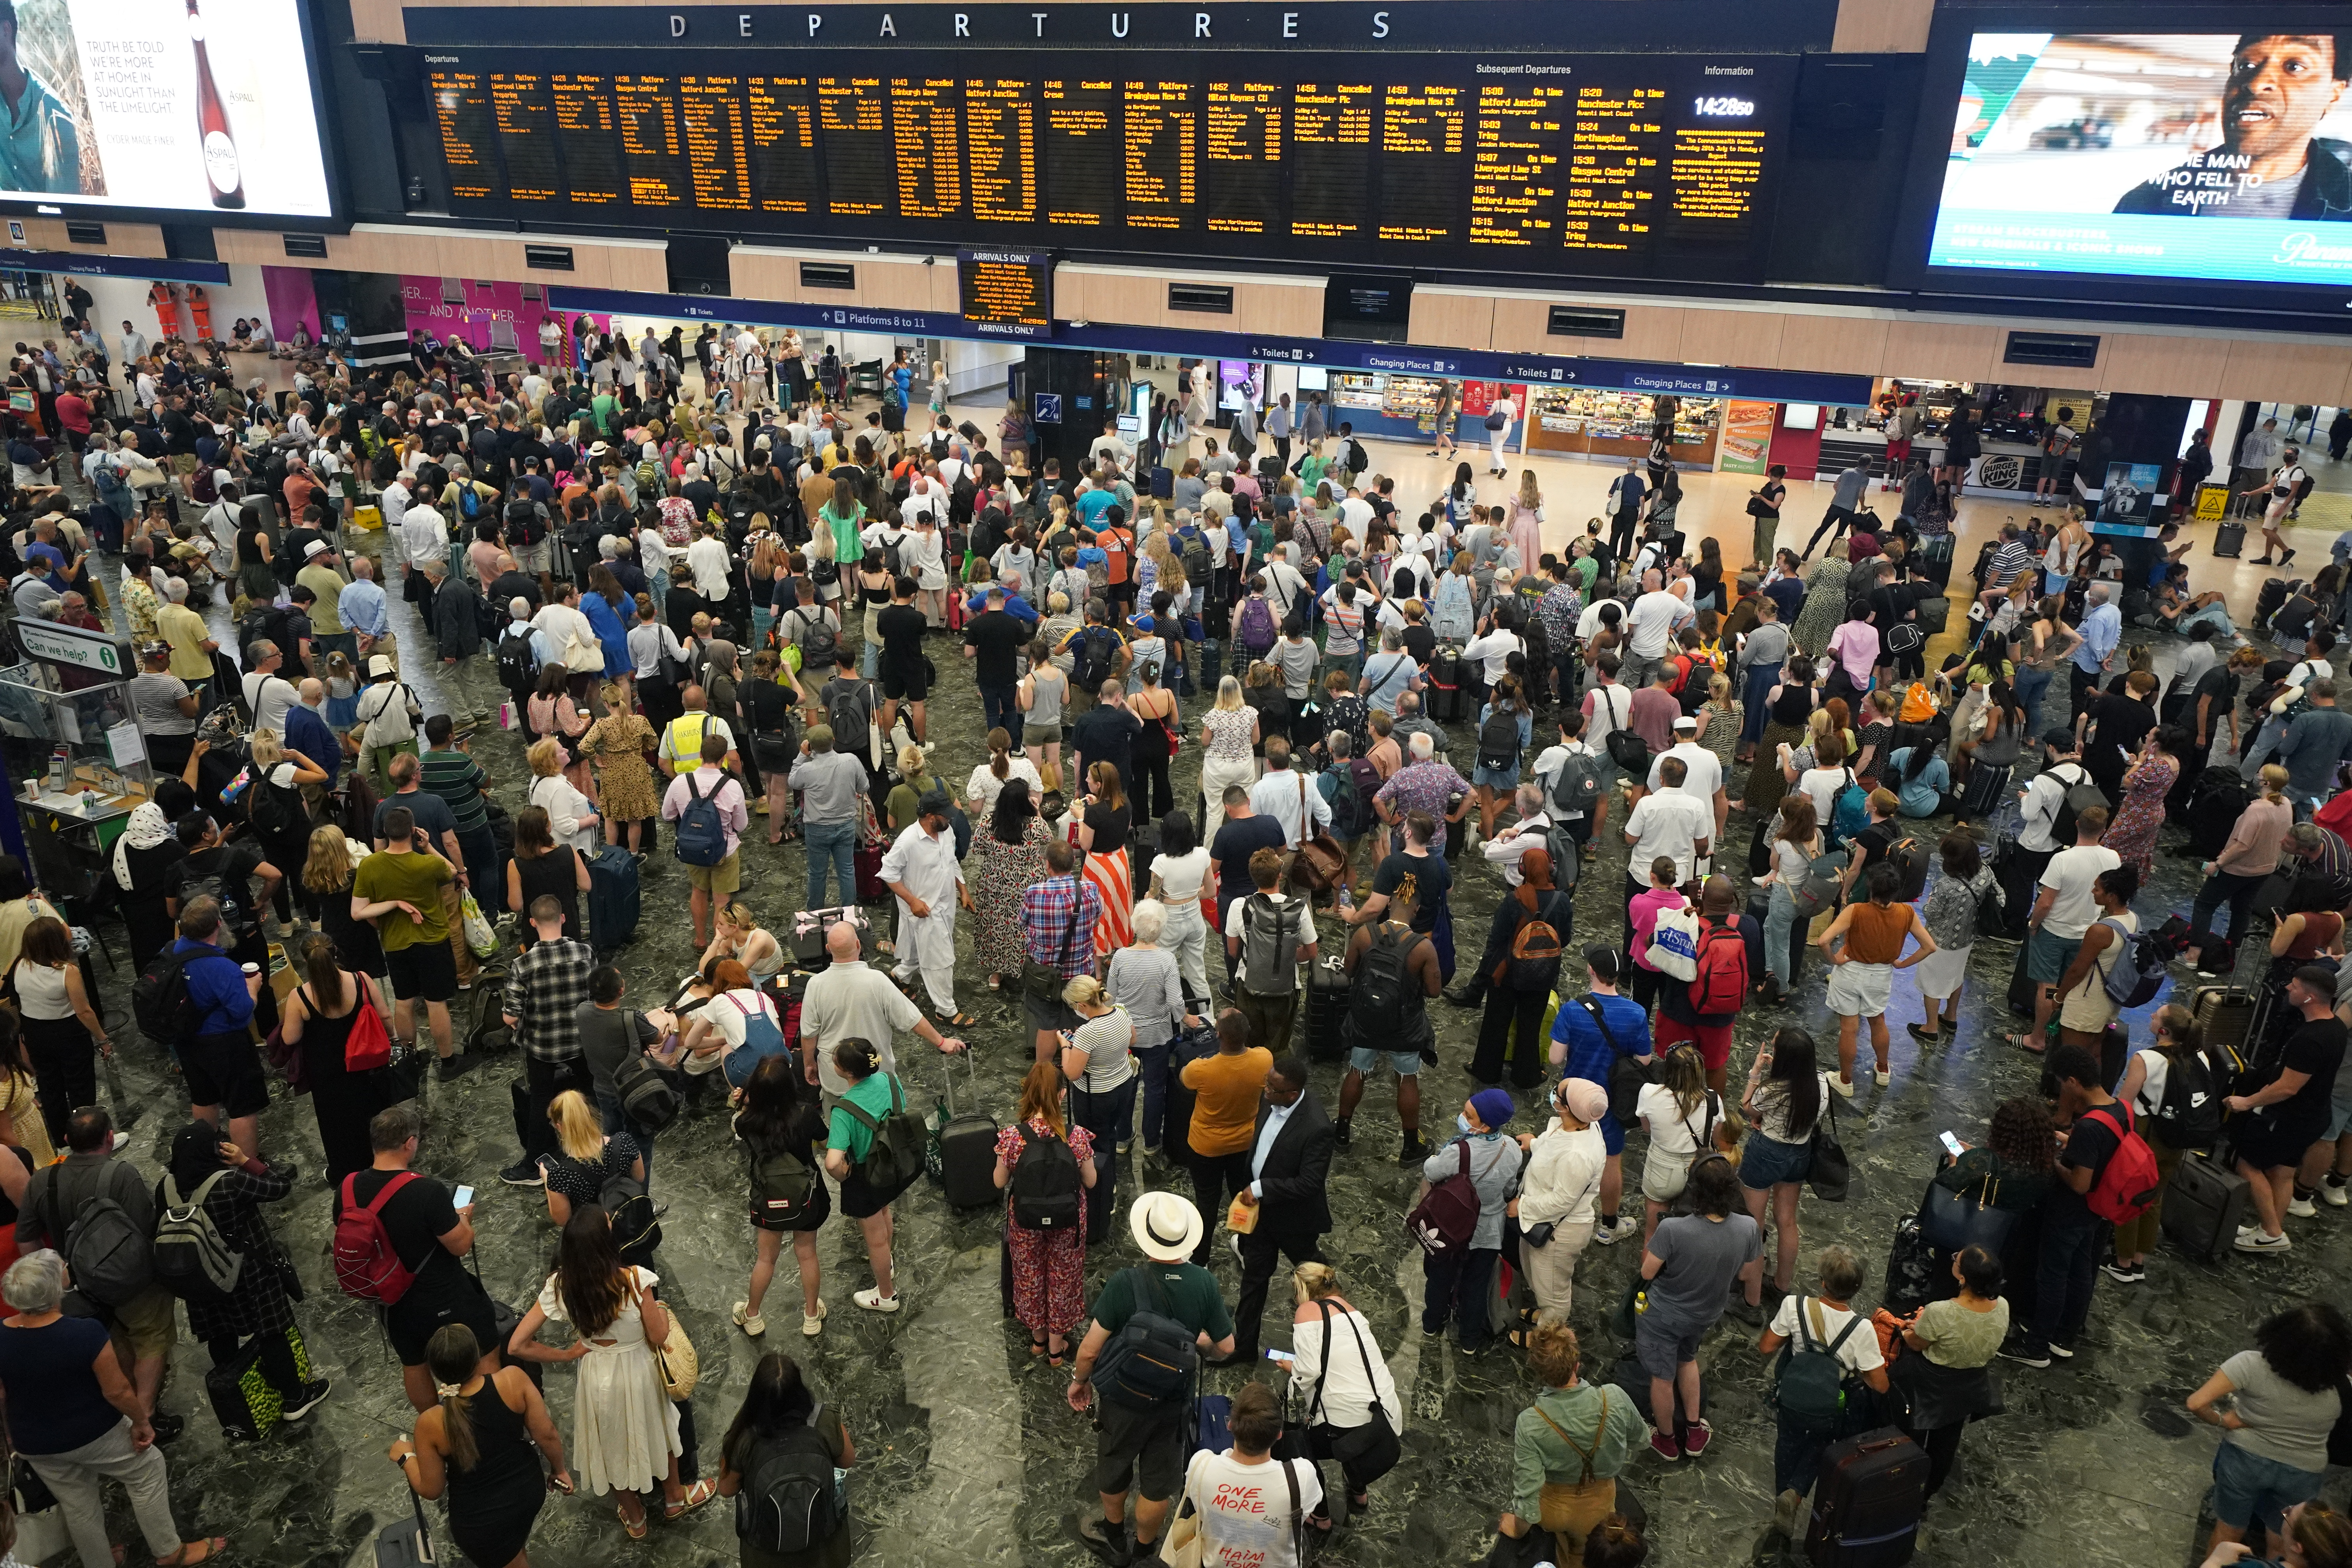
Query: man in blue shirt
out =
(364, 612)
(219, 1061)
(2102, 627)
(307, 731)
(1588, 1036)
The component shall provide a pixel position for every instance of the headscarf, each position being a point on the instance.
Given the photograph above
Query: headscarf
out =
(1535, 878)
(148, 828)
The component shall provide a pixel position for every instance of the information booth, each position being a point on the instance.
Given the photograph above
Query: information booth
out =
(74, 756)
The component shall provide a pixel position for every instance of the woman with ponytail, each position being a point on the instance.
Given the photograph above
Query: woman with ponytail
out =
(989, 779)
(856, 1115)
(474, 1447)
(317, 1020)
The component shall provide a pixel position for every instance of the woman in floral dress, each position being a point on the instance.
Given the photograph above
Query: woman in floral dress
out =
(1008, 854)
(617, 745)
(1049, 1266)
(2146, 782)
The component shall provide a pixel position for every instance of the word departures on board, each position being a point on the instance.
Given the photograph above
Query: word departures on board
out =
(1007, 293)
(1612, 164)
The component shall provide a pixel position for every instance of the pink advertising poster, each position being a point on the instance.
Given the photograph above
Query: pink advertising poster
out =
(292, 301)
(490, 317)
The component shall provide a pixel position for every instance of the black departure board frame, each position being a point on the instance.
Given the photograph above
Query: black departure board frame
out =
(1006, 293)
(1618, 164)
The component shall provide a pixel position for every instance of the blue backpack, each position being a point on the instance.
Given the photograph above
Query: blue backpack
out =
(701, 832)
(762, 1037)
(1849, 812)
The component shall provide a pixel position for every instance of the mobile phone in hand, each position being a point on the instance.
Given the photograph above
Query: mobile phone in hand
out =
(1285, 1357)
(1951, 1146)
(465, 1196)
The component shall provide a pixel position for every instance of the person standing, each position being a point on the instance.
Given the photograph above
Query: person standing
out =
(1568, 1449)
(1567, 1162)
(1457, 1285)
(1946, 1386)
(832, 783)
(398, 888)
(1140, 1442)
(1253, 1508)
(780, 1416)
(1690, 1264)
(2073, 1237)
(1289, 1166)
(2284, 1116)
(475, 1447)
(428, 1234)
(1059, 915)
(2276, 1403)
(1389, 950)
(2063, 912)
(1096, 1062)
(317, 1020)
(849, 1000)
(1049, 1266)
(1267, 936)
(922, 873)
(545, 989)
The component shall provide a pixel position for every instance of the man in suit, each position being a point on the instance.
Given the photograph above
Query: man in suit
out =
(1289, 1164)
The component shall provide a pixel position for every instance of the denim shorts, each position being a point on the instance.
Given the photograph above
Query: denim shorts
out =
(1662, 1344)
(2250, 1490)
(1765, 1163)
(1367, 1060)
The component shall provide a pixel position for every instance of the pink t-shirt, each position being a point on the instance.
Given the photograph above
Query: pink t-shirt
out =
(1645, 909)
(1856, 644)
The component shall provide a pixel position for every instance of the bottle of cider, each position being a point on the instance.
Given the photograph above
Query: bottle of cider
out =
(222, 170)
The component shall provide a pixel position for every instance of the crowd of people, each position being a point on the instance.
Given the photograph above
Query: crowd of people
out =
(707, 610)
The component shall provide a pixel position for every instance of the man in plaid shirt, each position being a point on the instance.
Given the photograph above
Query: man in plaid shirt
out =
(1058, 915)
(544, 990)
(1561, 607)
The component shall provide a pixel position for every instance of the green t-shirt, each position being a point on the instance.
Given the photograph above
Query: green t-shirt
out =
(1190, 1292)
(902, 806)
(851, 1136)
(460, 780)
(413, 878)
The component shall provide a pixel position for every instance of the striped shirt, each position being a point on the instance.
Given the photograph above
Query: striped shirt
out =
(460, 780)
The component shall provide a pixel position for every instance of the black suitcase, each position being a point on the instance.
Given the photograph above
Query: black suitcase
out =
(1446, 702)
(2022, 985)
(2203, 1206)
(2267, 602)
(1327, 1008)
(806, 938)
(1987, 784)
(966, 1143)
(1867, 1503)
(506, 1319)
(405, 1543)
(2230, 540)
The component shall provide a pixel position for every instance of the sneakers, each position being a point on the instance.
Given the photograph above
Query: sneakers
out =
(1607, 1235)
(2063, 1353)
(2024, 1356)
(1748, 1312)
(1925, 1037)
(1843, 1088)
(1882, 1078)
(875, 1301)
(1339, 1128)
(2332, 1191)
(1664, 1446)
(812, 1327)
(523, 1172)
(1696, 1437)
(2124, 1273)
(2261, 1241)
(123, 1140)
(745, 1320)
(312, 1393)
(454, 1067)
(1788, 1513)
(2302, 1208)
(1107, 1540)
(167, 1425)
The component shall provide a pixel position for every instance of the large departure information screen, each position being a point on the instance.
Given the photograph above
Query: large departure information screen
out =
(1617, 163)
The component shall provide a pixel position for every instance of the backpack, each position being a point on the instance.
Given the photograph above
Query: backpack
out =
(791, 1500)
(1044, 1183)
(1721, 983)
(636, 1229)
(2080, 796)
(1992, 905)
(647, 1098)
(2128, 1182)
(1849, 813)
(850, 712)
(1674, 943)
(1446, 1218)
(2190, 1114)
(1092, 665)
(1198, 570)
(1149, 1362)
(820, 645)
(523, 526)
(896, 1156)
(1356, 462)
(160, 1000)
(701, 832)
(276, 809)
(1254, 628)
(1909, 857)
(1808, 1385)
(1533, 962)
(469, 503)
(1578, 786)
(1376, 1000)
(782, 1186)
(2138, 972)
(366, 1264)
(1498, 742)
(1269, 945)
(517, 663)
(112, 1259)
(890, 554)
(191, 1258)
(648, 475)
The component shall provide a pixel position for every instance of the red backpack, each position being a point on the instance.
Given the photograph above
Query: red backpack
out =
(1721, 984)
(366, 1263)
(2128, 1183)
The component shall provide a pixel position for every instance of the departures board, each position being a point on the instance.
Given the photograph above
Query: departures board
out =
(1650, 164)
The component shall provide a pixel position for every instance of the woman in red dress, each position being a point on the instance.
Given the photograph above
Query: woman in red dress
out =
(1049, 1266)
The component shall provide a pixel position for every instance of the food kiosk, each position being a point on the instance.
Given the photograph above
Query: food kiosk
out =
(1582, 422)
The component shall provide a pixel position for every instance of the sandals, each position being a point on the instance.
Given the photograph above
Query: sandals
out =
(2026, 1043)
(213, 1546)
(1518, 1337)
(957, 1020)
(701, 1492)
(1036, 1347)
(635, 1532)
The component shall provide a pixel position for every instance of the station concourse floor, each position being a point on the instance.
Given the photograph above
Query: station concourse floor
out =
(967, 1453)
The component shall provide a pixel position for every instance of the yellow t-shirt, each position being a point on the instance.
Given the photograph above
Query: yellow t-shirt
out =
(1224, 1114)
(185, 631)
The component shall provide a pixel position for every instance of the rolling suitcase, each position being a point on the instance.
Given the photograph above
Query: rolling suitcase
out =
(1176, 1131)
(1867, 1503)
(2267, 602)
(963, 1151)
(810, 928)
(1446, 699)
(612, 899)
(2022, 985)
(2230, 540)
(1327, 1008)
(869, 874)
(405, 1543)
(2225, 1017)
(1987, 784)
(2203, 1206)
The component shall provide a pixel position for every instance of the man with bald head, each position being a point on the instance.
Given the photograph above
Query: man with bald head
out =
(850, 1000)
(307, 731)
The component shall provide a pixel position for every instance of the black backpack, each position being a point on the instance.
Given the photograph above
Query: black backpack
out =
(1383, 972)
(820, 645)
(2080, 796)
(518, 664)
(2190, 1114)
(1148, 1364)
(1498, 742)
(636, 1230)
(1092, 665)
(1044, 1183)
(160, 1000)
(790, 1501)
(850, 712)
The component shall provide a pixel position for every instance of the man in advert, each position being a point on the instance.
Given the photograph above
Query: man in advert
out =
(2269, 164)
(42, 149)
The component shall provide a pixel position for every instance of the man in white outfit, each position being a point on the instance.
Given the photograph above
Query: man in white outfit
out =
(1499, 435)
(921, 868)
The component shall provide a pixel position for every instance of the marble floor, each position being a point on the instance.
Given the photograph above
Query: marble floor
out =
(967, 1453)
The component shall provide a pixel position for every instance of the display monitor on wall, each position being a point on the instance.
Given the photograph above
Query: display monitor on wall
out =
(2210, 156)
(195, 106)
(1800, 416)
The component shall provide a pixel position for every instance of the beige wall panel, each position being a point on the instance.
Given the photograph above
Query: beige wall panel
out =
(141, 239)
(1843, 344)
(892, 286)
(752, 277)
(1937, 350)
(1881, 27)
(2164, 366)
(1750, 338)
(2286, 371)
(1284, 309)
(1452, 320)
(1652, 332)
(378, 22)
(1518, 328)
(946, 293)
(1132, 300)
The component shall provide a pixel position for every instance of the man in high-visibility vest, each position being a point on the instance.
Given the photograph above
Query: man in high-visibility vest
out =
(682, 737)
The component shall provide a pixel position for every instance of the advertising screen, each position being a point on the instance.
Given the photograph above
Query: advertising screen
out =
(1560, 163)
(198, 106)
(2188, 156)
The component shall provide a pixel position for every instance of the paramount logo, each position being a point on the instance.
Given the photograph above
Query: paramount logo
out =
(2307, 250)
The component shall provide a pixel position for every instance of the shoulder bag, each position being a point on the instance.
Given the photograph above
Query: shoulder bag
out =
(1831, 1173)
(1628, 1076)
(1322, 861)
(1043, 982)
(1365, 1453)
(675, 1357)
